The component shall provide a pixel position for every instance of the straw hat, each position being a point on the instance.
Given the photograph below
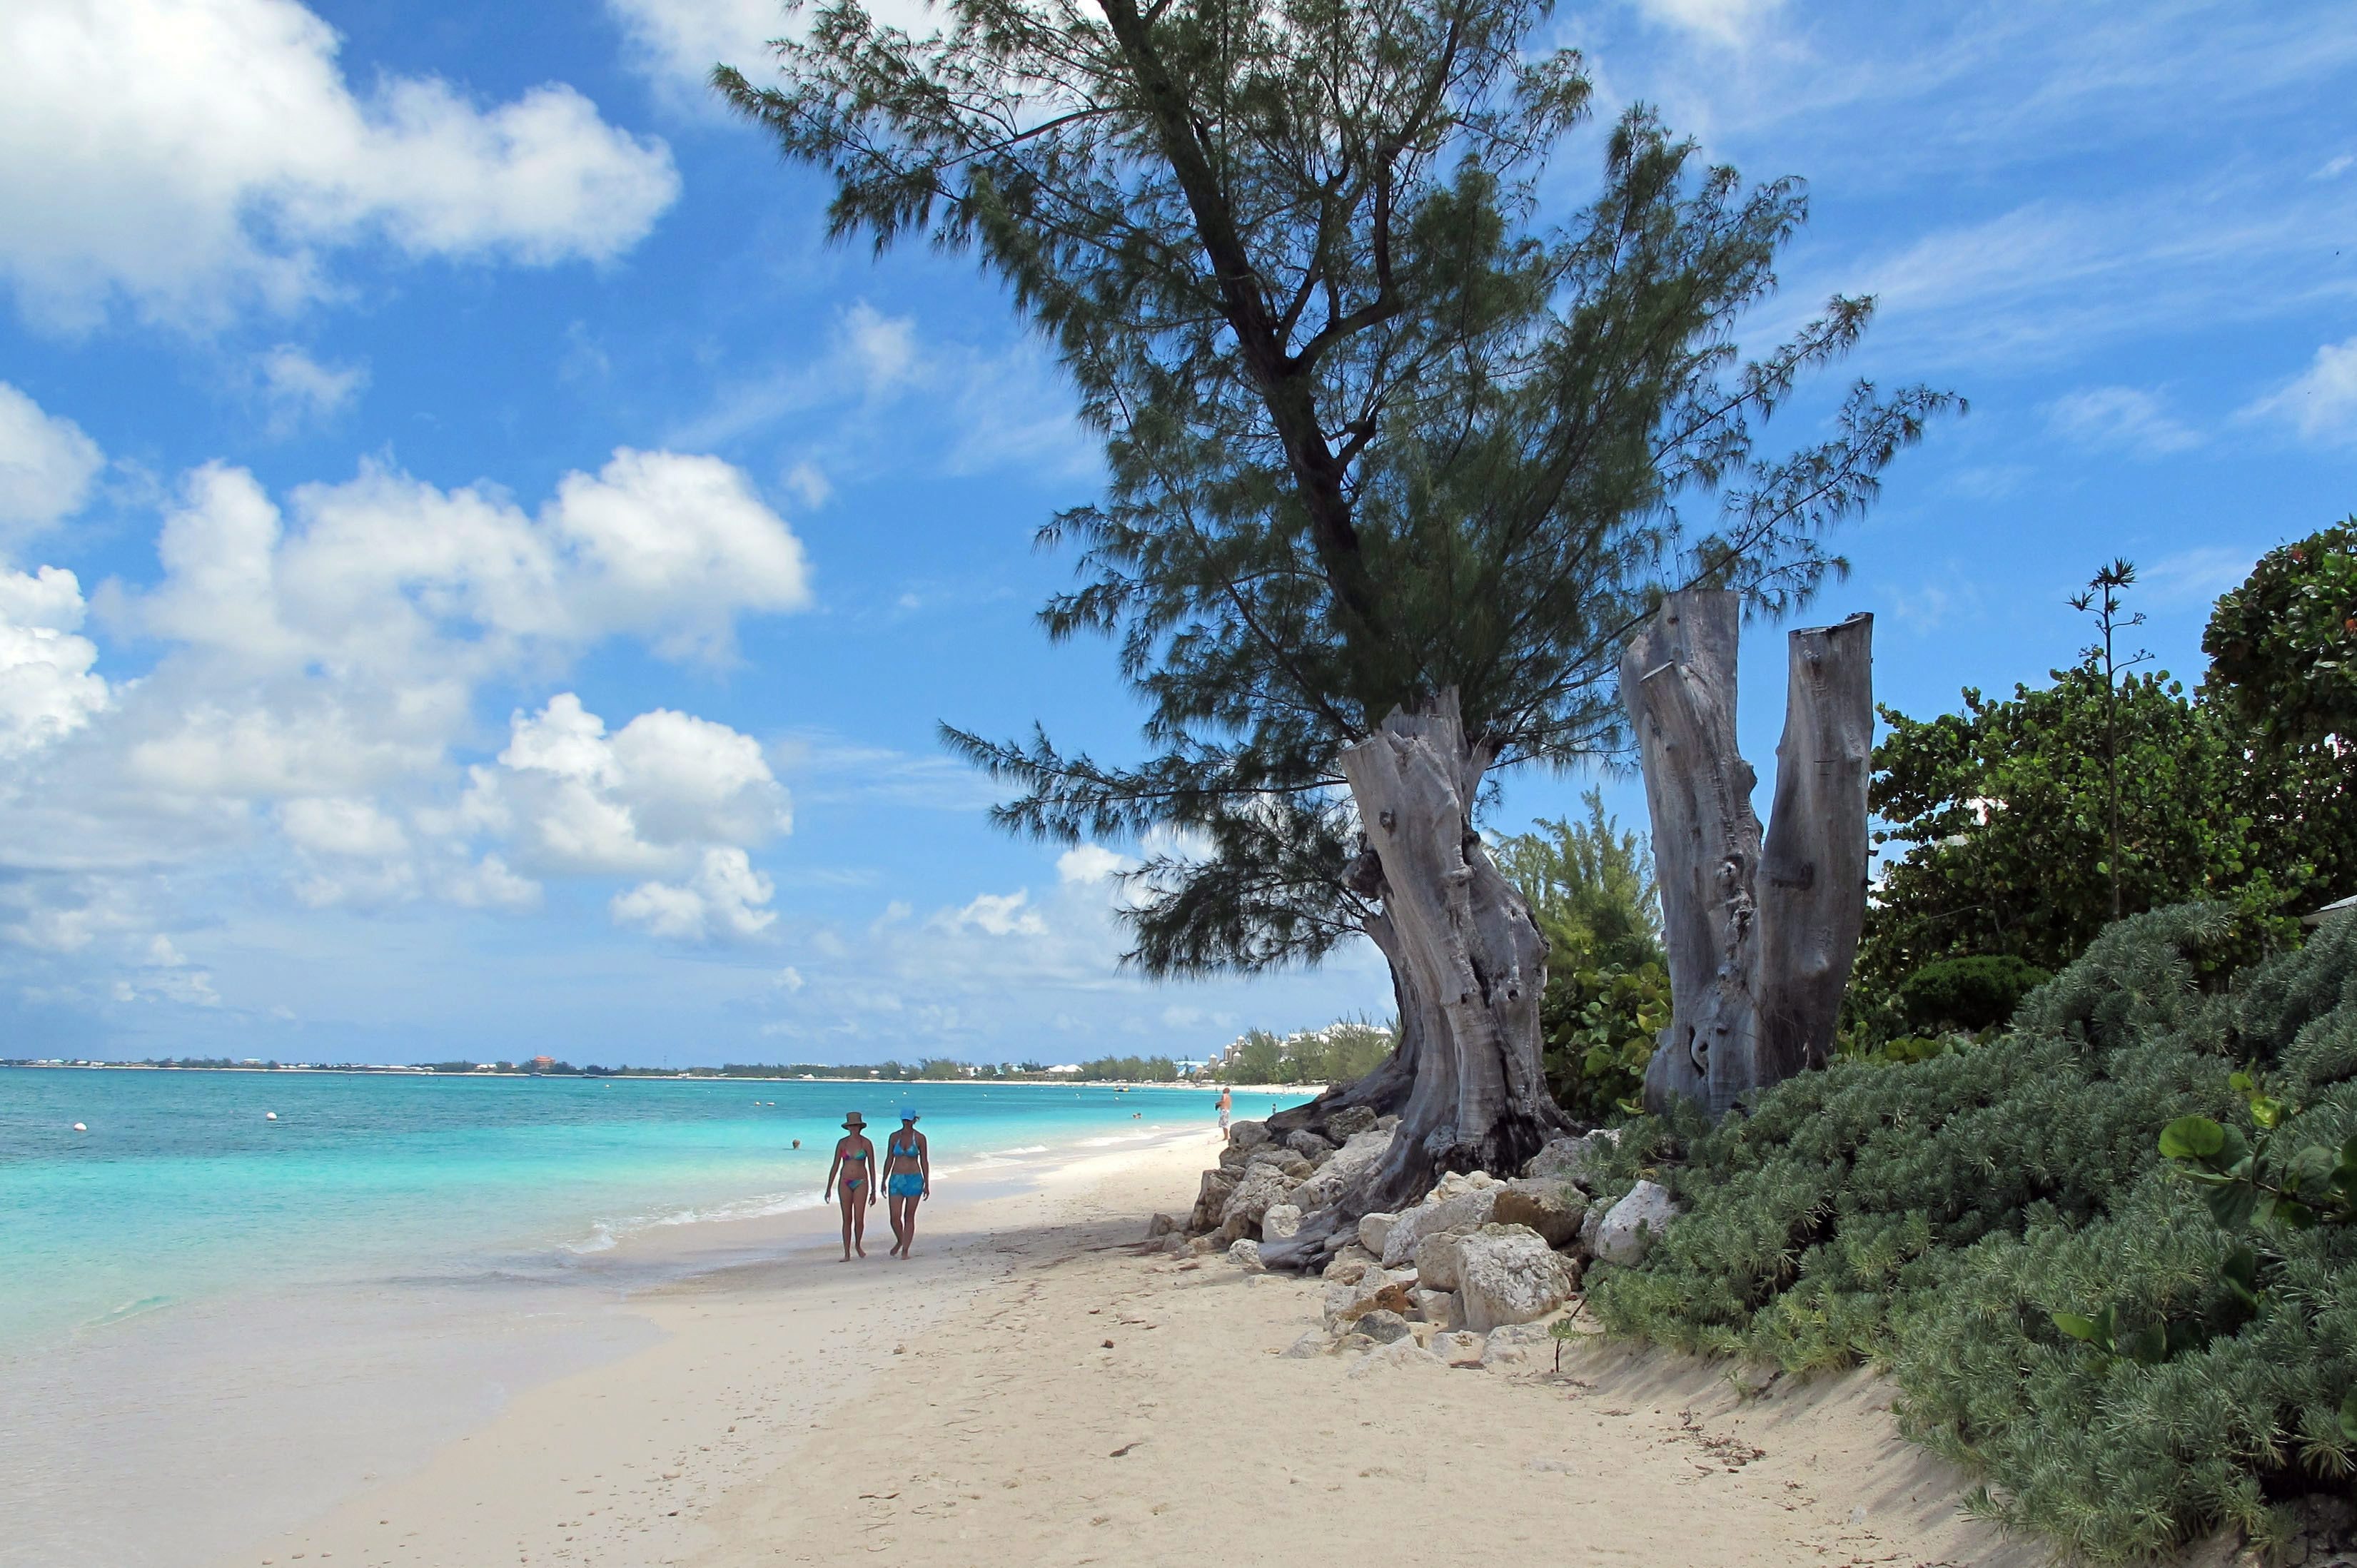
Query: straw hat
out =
(855, 1121)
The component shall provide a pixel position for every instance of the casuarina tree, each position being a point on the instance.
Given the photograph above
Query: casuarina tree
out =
(1397, 457)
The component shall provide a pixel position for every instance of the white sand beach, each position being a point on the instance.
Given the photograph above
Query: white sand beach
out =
(1029, 1389)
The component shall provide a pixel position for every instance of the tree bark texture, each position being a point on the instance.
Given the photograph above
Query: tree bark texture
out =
(1756, 973)
(1469, 967)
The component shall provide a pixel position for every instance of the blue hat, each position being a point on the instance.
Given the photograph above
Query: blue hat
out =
(908, 1113)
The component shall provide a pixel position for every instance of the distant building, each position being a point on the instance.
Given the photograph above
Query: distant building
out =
(543, 1061)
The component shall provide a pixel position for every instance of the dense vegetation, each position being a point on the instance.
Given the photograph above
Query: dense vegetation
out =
(2019, 826)
(1338, 1053)
(1997, 1225)
(1590, 889)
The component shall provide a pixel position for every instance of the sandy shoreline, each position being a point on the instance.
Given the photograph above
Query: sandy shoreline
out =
(966, 1408)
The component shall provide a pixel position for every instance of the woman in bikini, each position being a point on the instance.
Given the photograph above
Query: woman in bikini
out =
(908, 1180)
(854, 1162)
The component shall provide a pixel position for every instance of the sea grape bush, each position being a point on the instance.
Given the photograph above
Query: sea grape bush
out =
(2056, 1295)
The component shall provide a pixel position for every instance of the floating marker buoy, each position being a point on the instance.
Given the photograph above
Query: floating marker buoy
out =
(80, 1127)
(270, 1116)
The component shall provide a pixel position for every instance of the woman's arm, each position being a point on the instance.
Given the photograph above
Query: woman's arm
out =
(925, 1165)
(832, 1169)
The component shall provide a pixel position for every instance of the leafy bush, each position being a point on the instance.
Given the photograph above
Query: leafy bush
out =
(2283, 646)
(1971, 993)
(1590, 889)
(1998, 1226)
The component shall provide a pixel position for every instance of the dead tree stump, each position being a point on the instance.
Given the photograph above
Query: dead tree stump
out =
(1757, 964)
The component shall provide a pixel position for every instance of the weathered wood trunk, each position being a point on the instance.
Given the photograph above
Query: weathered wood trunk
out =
(1756, 973)
(1813, 909)
(1467, 965)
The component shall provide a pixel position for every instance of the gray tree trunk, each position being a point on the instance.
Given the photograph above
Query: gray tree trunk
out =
(1469, 967)
(1756, 973)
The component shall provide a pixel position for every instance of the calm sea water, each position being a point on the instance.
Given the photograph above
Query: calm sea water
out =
(183, 1191)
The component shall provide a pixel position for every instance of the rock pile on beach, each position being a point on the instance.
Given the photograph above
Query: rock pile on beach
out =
(1467, 1277)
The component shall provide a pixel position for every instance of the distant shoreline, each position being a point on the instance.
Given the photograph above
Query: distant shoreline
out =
(396, 1069)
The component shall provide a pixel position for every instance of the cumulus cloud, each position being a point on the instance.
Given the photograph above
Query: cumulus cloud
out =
(577, 800)
(47, 686)
(1090, 862)
(389, 577)
(245, 143)
(2128, 418)
(721, 901)
(998, 914)
(47, 465)
(2321, 404)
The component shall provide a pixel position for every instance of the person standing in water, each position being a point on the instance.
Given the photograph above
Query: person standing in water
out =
(908, 1179)
(854, 1162)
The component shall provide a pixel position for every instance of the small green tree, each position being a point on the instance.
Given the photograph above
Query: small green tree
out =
(1590, 889)
(2102, 600)
(2283, 646)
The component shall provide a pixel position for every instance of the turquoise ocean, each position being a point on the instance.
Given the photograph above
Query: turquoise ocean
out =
(185, 1189)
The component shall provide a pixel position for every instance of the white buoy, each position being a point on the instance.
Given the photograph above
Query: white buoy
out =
(80, 1127)
(270, 1116)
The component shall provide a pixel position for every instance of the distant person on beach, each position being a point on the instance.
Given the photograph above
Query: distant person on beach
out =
(854, 1162)
(908, 1179)
(1227, 1105)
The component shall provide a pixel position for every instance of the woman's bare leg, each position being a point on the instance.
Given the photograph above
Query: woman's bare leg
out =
(859, 1223)
(847, 1224)
(904, 1223)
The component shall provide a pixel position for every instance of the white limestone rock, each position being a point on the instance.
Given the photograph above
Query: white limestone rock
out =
(1552, 1207)
(1399, 1353)
(1262, 1186)
(1374, 1229)
(1344, 1172)
(1628, 1231)
(1247, 1135)
(1279, 1220)
(1467, 1208)
(1384, 1326)
(1435, 1261)
(1507, 1274)
(1246, 1255)
(1515, 1344)
(1461, 1348)
(1308, 1347)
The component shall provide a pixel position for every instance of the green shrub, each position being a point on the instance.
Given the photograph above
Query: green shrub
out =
(1997, 1227)
(1971, 993)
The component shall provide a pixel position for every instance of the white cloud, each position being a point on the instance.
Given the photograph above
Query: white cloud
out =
(1090, 862)
(243, 142)
(2197, 576)
(341, 827)
(296, 390)
(1722, 21)
(647, 798)
(47, 465)
(675, 43)
(388, 578)
(998, 914)
(48, 687)
(2126, 417)
(723, 900)
(2333, 168)
(2321, 404)
(489, 885)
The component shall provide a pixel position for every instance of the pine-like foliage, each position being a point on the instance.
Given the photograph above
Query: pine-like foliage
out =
(1933, 1217)
(1377, 423)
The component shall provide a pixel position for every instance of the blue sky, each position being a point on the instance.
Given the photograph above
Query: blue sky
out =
(479, 575)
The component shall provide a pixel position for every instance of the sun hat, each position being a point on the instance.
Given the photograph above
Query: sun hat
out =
(854, 1119)
(908, 1113)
